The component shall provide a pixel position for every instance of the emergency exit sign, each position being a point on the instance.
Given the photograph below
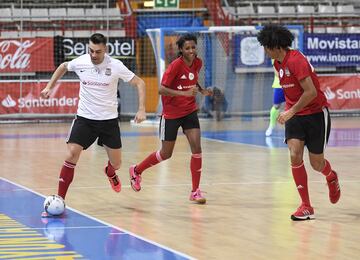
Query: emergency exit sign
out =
(167, 3)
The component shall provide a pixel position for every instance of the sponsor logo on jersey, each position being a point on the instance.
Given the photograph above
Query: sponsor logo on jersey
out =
(281, 73)
(191, 76)
(94, 83)
(183, 76)
(179, 87)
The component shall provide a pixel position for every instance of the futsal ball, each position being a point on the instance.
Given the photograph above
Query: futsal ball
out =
(54, 205)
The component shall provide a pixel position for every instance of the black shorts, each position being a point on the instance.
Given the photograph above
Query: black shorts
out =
(313, 129)
(169, 127)
(84, 132)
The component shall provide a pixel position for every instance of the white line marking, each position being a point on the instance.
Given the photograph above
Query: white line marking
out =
(108, 224)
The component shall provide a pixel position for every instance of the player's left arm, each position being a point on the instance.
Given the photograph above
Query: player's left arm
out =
(140, 85)
(307, 96)
(204, 91)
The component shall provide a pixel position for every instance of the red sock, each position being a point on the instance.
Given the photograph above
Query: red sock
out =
(300, 178)
(195, 167)
(327, 171)
(110, 170)
(66, 177)
(149, 161)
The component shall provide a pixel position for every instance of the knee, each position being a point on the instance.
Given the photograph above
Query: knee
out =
(73, 155)
(296, 158)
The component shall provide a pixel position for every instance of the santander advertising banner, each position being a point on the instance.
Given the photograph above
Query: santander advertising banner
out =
(64, 98)
(28, 55)
(342, 91)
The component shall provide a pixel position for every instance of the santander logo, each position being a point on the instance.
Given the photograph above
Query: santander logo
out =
(342, 94)
(8, 102)
(17, 59)
(329, 94)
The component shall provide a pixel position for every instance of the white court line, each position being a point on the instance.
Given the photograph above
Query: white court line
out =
(108, 224)
(243, 144)
(202, 184)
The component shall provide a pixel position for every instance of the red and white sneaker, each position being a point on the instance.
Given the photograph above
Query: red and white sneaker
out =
(114, 181)
(197, 197)
(303, 213)
(135, 179)
(334, 189)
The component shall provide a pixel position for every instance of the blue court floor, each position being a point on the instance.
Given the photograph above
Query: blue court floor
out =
(25, 235)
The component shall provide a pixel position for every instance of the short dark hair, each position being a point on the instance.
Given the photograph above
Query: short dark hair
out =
(98, 38)
(275, 36)
(185, 37)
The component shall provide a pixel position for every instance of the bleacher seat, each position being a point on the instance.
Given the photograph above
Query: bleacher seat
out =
(345, 10)
(68, 34)
(305, 10)
(18, 14)
(9, 34)
(25, 34)
(48, 33)
(5, 15)
(229, 11)
(75, 14)
(57, 13)
(93, 13)
(331, 29)
(326, 9)
(245, 10)
(353, 29)
(265, 11)
(319, 30)
(286, 9)
(39, 14)
(112, 13)
(82, 33)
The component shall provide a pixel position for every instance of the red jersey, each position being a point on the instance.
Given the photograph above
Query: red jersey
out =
(179, 76)
(294, 68)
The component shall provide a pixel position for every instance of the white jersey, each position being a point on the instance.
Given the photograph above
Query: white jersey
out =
(98, 86)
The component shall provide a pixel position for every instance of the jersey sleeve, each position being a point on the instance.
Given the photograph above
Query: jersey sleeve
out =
(73, 64)
(124, 73)
(199, 65)
(300, 67)
(169, 75)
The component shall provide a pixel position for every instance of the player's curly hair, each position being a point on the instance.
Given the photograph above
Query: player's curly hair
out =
(183, 38)
(275, 36)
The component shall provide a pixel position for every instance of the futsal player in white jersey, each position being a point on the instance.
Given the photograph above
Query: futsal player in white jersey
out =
(97, 114)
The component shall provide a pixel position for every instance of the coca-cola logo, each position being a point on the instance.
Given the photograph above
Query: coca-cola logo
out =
(13, 54)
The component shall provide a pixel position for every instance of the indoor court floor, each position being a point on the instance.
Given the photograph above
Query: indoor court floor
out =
(247, 179)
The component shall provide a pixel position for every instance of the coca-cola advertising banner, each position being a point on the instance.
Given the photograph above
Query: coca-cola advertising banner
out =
(26, 55)
(342, 92)
(64, 98)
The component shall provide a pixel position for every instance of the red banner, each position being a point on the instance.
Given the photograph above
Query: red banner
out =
(17, 97)
(342, 92)
(28, 55)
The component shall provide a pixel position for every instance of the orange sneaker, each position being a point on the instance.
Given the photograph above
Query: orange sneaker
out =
(135, 179)
(114, 181)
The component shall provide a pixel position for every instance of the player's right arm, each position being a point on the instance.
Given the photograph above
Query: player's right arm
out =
(59, 72)
(164, 91)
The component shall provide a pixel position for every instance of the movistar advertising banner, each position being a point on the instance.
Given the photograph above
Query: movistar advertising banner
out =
(335, 50)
